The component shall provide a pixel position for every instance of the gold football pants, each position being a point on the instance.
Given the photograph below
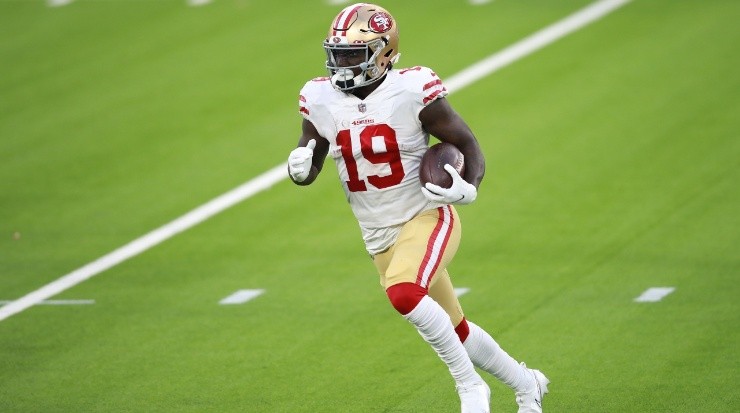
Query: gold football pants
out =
(421, 254)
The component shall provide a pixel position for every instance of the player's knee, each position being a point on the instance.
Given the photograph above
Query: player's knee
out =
(405, 296)
(462, 330)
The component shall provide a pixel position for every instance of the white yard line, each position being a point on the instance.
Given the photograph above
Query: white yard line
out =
(462, 79)
(532, 43)
(654, 294)
(57, 302)
(242, 296)
(58, 3)
(461, 291)
(198, 3)
(137, 246)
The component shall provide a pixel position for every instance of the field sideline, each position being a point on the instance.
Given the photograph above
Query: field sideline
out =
(612, 160)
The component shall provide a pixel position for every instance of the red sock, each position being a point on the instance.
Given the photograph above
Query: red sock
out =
(463, 330)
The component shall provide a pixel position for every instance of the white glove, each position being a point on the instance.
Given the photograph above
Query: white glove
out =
(461, 192)
(300, 161)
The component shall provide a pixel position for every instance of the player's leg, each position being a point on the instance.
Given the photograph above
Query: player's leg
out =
(485, 353)
(443, 292)
(530, 385)
(425, 244)
(483, 350)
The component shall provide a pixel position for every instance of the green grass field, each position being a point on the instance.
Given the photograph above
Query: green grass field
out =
(613, 167)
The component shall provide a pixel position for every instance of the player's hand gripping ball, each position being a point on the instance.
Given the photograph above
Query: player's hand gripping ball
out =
(440, 173)
(432, 168)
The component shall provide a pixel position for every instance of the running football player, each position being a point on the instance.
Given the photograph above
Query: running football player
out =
(374, 121)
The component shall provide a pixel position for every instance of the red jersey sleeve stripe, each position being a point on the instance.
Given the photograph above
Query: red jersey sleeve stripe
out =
(432, 83)
(303, 110)
(433, 96)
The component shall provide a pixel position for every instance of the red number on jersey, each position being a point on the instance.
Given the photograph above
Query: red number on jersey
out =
(391, 156)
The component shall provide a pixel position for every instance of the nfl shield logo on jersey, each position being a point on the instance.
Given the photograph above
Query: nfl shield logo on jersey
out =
(361, 107)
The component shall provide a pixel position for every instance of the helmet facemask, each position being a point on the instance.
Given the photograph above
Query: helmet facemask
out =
(366, 72)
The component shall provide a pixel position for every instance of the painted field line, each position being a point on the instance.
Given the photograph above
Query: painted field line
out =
(242, 296)
(459, 292)
(197, 3)
(56, 302)
(139, 245)
(458, 81)
(654, 294)
(532, 43)
(58, 3)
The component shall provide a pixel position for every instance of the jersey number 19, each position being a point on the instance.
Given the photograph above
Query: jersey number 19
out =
(391, 156)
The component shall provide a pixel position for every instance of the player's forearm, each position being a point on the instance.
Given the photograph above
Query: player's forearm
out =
(475, 163)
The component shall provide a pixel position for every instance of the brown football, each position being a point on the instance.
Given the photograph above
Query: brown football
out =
(433, 162)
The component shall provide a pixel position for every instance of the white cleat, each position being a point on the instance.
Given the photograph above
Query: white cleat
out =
(530, 401)
(475, 397)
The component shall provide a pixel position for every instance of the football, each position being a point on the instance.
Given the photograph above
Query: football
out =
(433, 162)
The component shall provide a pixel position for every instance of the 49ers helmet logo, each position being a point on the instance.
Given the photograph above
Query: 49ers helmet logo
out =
(380, 22)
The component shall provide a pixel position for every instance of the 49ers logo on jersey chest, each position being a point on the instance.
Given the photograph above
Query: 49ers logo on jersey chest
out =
(363, 122)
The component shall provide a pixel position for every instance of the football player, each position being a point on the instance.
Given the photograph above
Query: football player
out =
(374, 121)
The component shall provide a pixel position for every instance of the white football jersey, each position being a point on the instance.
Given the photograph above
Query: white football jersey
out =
(377, 144)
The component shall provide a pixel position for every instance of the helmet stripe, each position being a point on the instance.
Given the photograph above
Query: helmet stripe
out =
(344, 18)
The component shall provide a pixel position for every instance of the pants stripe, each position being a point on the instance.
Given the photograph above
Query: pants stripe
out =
(436, 246)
